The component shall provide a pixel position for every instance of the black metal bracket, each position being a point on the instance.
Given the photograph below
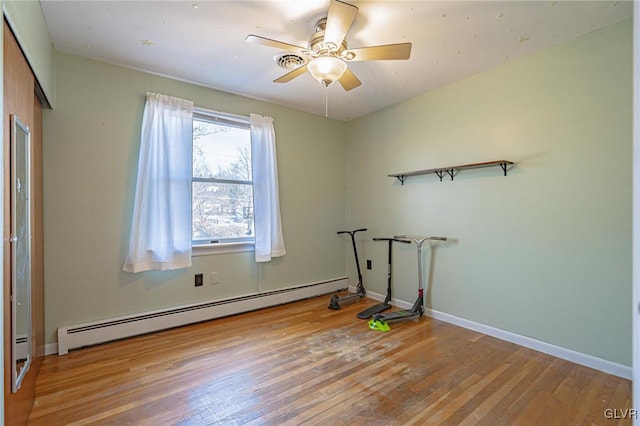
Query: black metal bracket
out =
(401, 178)
(451, 172)
(504, 165)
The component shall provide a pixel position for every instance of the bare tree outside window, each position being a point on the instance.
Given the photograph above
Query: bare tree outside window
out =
(222, 187)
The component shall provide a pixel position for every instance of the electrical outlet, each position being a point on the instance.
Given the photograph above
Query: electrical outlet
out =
(369, 264)
(213, 278)
(199, 279)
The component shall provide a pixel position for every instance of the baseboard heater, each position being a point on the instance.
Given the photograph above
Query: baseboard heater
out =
(21, 346)
(92, 333)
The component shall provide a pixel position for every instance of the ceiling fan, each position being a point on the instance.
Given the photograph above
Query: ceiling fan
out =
(327, 53)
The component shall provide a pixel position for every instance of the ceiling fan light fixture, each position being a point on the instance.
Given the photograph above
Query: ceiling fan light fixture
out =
(327, 69)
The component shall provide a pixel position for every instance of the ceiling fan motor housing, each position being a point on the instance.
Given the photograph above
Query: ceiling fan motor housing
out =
(317, 44)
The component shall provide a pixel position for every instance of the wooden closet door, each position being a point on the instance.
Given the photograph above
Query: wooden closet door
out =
(20, 99)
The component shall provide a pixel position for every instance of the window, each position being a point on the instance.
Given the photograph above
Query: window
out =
(186, 203)
(222, 200)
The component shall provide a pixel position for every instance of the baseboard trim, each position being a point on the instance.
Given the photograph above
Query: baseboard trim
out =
(590, 361)
(51, 349)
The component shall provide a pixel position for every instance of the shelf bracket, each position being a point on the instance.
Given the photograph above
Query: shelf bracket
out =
(503, 166)
(451, 172)
(440, 174)
(401, 178)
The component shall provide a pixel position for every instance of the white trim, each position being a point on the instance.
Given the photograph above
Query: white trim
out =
(559, 352)
(50, 349)
(221, 248)
(537, 345)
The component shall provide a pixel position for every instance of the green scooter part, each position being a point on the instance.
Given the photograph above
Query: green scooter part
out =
(379, 325)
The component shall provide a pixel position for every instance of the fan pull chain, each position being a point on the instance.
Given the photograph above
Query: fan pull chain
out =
(326, 102)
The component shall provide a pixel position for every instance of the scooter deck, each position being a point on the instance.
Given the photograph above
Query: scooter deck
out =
(375, 309)
(351, 297)
(337, 301)
(398, 315)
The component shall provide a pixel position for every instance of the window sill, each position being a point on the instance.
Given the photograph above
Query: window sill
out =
(221, 248)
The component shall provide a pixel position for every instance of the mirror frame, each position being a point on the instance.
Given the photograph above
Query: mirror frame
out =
(17, 375)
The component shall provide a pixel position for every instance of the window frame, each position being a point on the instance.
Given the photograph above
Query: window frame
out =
(227, 245)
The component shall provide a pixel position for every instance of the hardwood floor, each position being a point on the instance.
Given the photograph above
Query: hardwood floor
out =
(303, 363)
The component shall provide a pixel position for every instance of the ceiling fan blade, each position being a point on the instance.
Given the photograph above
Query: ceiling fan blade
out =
(251, 38)
(291, 75)
(349, 80)
(381, 53)
(339, 20)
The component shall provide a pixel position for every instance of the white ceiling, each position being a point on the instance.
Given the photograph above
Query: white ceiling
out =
(203, 42)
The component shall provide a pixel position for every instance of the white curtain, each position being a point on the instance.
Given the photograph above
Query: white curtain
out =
(266, 201)
(160, 236)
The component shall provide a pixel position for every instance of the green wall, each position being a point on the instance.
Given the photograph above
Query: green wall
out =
(90, 159)
(544, 252)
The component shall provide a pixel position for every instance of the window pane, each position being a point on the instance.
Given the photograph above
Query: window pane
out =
(221, 152)
(222, 211)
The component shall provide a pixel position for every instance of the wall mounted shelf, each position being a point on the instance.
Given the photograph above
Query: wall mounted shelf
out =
(453, 170)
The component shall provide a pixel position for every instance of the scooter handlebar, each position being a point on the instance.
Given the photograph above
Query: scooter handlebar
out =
(391, 239)
(352, 232)
(416, 240)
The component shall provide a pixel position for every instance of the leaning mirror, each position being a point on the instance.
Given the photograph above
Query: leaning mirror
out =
(21, 337)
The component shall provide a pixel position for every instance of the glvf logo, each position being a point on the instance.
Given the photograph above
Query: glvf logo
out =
(621, 413)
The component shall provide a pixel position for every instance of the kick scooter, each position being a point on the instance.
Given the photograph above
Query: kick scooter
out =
(380, 321)
(336, 301)
(380, 307)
